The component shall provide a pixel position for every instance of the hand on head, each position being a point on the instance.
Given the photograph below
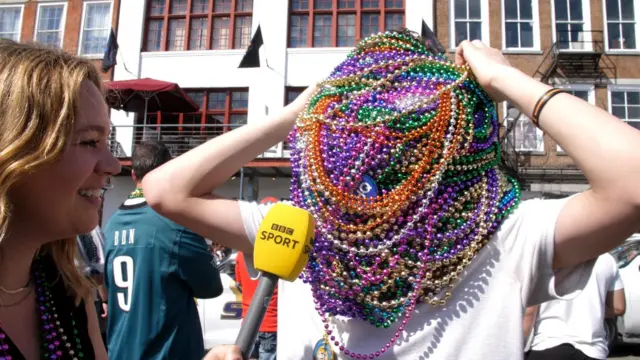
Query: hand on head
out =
(224, 352)
(487, 64)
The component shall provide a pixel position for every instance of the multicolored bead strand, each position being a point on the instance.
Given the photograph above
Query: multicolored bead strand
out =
(52, 333)
(420, 132)
(136, 194)
(4, 347)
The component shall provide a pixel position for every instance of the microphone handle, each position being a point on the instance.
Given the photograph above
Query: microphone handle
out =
(259, 304)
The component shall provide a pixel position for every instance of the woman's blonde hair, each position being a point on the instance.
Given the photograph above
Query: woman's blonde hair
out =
(39, 95)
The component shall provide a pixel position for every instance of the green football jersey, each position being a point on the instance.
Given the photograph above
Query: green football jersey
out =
(154, 270)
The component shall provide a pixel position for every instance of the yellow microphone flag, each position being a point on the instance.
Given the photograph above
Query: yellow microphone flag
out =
(284, 241)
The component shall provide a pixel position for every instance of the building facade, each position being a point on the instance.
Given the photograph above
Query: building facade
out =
(590, 47)
(80, 27)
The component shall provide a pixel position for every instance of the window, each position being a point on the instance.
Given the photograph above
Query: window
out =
(291, 94)
(50, 23)
(572, 24)
(207, 25)
(584, 92)
(467, 17)
(96, 25)
(625, 104)
(221, 110)
(312, 24)
(524, 135)
(622, 24)
(10, 22)
(520, 24)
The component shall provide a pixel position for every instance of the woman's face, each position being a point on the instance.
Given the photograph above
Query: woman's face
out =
(63, 199)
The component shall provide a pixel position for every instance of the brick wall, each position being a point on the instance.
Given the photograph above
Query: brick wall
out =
(626, 65)
(72, 29)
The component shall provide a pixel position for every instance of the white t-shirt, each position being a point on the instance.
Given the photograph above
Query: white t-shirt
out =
(580, 321)
(482, 319)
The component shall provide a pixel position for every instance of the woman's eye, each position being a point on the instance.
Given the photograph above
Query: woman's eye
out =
(90, 143)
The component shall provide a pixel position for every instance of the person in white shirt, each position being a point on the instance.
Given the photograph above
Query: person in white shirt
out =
(542, 251)
(574, 329)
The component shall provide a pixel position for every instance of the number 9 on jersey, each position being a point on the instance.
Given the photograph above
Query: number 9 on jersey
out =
(123, 264)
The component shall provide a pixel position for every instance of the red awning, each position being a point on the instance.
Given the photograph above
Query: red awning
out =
(148, 95)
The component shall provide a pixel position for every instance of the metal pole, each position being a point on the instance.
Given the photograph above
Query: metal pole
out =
(146, 104)
(241, 184)
(250, 190)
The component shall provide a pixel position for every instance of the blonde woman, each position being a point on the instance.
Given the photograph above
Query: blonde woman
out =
(54, 161)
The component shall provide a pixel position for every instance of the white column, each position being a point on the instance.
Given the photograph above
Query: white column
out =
(130, 35)
(416, 11)
(266, 91)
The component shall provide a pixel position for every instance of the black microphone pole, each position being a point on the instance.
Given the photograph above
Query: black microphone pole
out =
(259, 304)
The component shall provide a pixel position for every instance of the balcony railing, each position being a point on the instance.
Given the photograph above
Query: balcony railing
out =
(579, 40)
(178, 138)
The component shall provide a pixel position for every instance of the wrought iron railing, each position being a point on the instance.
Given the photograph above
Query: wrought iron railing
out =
(178, 138)
(580, 40)
(570, 46)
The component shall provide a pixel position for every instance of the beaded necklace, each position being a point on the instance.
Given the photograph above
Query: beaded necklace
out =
(396, 158)
(136, 194)
(55, 341)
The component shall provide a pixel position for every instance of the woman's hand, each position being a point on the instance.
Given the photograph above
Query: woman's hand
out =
(224, 352)
(487, 64)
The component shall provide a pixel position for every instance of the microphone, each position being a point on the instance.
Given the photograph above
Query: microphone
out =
(281, 250)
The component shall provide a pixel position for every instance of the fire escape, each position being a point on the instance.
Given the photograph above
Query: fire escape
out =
(577, 57)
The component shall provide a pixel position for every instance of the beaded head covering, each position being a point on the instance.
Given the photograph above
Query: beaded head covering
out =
(396, 157)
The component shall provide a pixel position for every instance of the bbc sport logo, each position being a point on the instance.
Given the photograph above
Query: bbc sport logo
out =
(282, 229)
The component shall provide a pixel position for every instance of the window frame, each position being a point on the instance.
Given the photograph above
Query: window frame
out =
(539, 132)
(484, 23)
(187, 17)
(636, 10)
(620, 88)
(286, 149)
(535, 9)
(226, 112)
(357, 10)
(82, 22)
(591, 89)
(63, 20)
(586, 15)
(21, 6)
(182, 131)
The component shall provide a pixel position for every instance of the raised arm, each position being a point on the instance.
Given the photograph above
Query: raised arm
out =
(606, 149)
(182, 189)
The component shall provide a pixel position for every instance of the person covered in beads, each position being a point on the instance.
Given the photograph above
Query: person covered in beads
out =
(54, 163)
(436, 257)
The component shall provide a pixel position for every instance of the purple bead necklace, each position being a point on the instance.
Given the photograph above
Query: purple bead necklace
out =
(396, 157)
(55, 341)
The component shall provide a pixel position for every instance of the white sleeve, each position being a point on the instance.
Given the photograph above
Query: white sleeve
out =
(528, 239)
(252, 214)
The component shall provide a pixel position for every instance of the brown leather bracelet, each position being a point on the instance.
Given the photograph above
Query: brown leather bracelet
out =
(540, 104)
